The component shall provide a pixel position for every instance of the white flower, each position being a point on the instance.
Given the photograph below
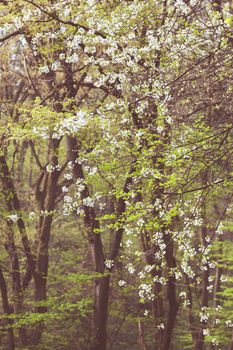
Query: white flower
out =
(68, 199)
(131, 269)
(80, 160)
(212, 265)
(121, 283)
(13, 217)
(80, 211)
(109, 263)
(146, 291)
(215, 341)
(66, 11)
(81, 118)
(141, 274)
(80, 185)
(31, 215)
(55, 65)
(18, 22)
(49, 168)
(41, 131)
(63, 29)
(65, 189)
(92, 171)
(182, 295)
(181, 5)
(88, 79)
(128, 243)
(148, 268)
(91, 2)
(219, 230)
(229, 323)
(140, 222)
(219, 308)
(72, 59)
(88, 202)
(161, 280)
(71, 125)
(204, 314)
(160, 129)
(146, 312)
(169, 120)
(68, 176)
(206, 331)
(160, 326)
(131, 35)
(224, 278)
(62, 56)
(44, 69)
(70, 165)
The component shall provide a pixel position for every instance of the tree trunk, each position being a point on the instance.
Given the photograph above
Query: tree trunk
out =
(141, 337)
(47, 200)
(218, 274)
(171, 292)
(7, 311)
(190, 311)
(101, 313)
(231, 344)
(205, 277)
(101, 291)
(16, 282)
(13, 205)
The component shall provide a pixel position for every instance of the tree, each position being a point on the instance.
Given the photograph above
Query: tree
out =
(116, 124)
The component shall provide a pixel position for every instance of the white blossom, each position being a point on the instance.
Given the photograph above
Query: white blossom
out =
(68, 176)
(109, 263)
(44, 69)
(121, 283)
(65, 189)
(146, 291)
(160, 326)
(229, 323)
(88, 202)
(206, 331)
(131, 269)
(31, 215)
(13, 217)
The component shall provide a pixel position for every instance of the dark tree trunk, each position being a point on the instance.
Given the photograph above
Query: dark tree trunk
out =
(7, 311)
(22, 155)
(102, 284)
(217, 282)
(16, 282)
(47, 199)
(190, 311)
(101, 313)
(205, 277)
(171, 292)
(231, 343)
(141, 335)
(13, 205)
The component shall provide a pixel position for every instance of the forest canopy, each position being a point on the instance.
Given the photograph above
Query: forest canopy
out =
(116, 177)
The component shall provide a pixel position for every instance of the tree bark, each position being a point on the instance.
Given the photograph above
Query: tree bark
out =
(13, 205)
(141, 335)
(205, 277)
(7, 311)
(171, 292)
(101, 313)
(102, 284)
(47, 199)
